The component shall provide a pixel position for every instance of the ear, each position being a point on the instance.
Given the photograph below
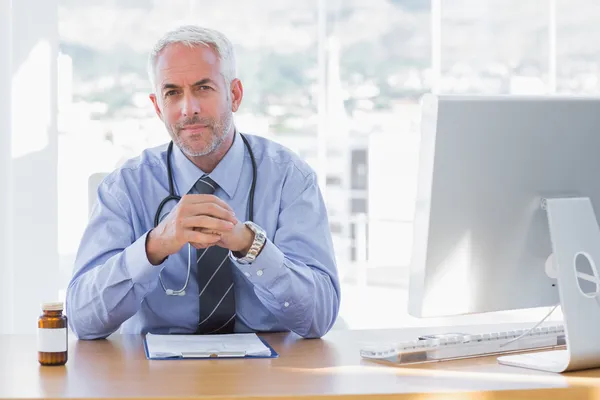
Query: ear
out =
(237, 92)
(156, 106)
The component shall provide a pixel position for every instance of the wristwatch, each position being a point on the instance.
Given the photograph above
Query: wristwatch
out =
(260, 238)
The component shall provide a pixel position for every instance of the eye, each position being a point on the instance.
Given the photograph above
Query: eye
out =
(170, 93)
(204, 87)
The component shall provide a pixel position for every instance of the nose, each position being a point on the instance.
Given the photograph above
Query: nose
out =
(190, 106)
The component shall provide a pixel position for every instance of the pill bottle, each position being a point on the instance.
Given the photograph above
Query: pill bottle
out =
(52, 336)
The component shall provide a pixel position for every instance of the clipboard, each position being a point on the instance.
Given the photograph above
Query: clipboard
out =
(208, 354)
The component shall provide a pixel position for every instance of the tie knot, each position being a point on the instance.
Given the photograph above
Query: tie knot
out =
(205, 185)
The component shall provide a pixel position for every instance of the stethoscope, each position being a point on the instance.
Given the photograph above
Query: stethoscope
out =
(173, 197)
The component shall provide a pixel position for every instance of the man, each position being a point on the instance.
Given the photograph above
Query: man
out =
(200, 266)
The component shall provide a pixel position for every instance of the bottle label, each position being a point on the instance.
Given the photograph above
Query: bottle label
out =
(52, 340)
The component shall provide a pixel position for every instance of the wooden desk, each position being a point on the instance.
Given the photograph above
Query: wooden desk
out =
(117, 368)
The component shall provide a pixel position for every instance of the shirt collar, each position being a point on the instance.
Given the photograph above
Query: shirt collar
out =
(226, 174)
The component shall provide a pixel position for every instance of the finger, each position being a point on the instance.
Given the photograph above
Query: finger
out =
(204, 230)
(206, 198)
(220, 243)
(197, 237)
(208, 223)
(202, 245)
(211, 209)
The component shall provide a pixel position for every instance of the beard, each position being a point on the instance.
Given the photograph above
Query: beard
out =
(217, 130)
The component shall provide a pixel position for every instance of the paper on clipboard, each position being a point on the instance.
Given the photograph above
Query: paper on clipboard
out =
(200, 346)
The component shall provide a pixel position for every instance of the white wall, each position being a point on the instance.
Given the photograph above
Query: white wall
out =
(28, 161)
(6, 281)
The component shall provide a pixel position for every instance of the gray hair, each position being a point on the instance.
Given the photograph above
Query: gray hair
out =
(191, 35)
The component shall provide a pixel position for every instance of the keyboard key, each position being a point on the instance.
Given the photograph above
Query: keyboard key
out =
(469, 345)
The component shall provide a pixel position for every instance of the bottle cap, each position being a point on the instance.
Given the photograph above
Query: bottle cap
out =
(54, 306)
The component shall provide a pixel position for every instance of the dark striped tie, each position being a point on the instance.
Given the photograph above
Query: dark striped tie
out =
(215, 281)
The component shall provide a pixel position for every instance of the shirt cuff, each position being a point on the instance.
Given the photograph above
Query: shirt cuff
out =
(266, 268)
(137, 264)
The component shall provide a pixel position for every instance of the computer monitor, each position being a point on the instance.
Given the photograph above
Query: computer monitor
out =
(505, 218)
(481, 239)
(508, 192)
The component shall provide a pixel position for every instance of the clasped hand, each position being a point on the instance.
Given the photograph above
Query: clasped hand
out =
(199, 219)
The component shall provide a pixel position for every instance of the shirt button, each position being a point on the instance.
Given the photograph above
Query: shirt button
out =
(259, 272)
(247, 274)
(286, 304)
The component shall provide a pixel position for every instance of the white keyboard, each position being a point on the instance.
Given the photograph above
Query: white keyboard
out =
(454, 346)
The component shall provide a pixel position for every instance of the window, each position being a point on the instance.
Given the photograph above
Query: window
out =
(494, 47)
(577, 65)
(348, 74)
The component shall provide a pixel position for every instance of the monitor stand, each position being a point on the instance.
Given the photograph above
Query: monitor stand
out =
(575, 237)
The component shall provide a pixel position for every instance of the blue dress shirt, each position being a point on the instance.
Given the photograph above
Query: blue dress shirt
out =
(292, 285)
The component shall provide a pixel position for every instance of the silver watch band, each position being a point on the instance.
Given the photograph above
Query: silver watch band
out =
(258, 243)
